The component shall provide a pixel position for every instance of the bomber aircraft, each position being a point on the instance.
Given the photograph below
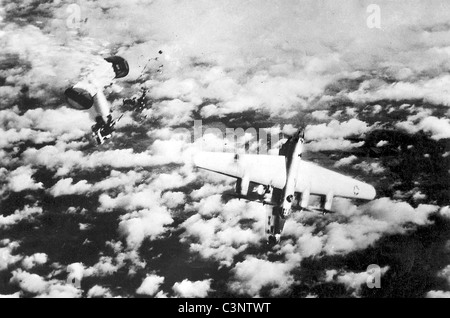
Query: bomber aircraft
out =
(284, 181)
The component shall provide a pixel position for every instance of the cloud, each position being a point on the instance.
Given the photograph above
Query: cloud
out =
(145, 224)
(42, 126)
(41, 63)
(217, 232)
(142, 197)
(104, 267)
(150, 286)
(345, 161)
(27, 213)
(445, 273)
(439, 128)
(99, 292)
(6, 254)
(253, 274)
(66, 187)
(118, 180)
(16, 295)
(208, 190)
(352, 281)
(65, 160)
(430, 90)
(370, 222)
(37, 259)
(173, 199)
(188, 289)
(321, 115)
(173, 112)
(30, 283)
(21, 179)
(370, 168)
(336, 130)
(438, 294)
(332, 144)
(382, 143)
(445, 212)
(59, 290)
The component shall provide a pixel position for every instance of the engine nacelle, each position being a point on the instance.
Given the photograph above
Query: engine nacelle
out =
(242, 186)
(306, 195)
(79, 98)
(120, 66)
(82, 95)
(327, 202)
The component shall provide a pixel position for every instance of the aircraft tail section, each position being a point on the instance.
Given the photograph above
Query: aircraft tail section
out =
(275, 223)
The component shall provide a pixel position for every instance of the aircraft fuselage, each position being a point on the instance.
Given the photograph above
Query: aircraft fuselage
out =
(293, 159)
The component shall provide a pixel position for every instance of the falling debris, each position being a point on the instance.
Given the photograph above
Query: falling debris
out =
(156, 59)
(138, 104)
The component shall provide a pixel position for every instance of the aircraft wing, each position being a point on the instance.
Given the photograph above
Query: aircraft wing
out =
(321, 181)
(262, 169)
(271, 170)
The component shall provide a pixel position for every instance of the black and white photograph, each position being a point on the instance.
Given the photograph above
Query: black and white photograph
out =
(253, 150)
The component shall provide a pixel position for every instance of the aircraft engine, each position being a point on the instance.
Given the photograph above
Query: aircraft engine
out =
(242, 186)
(79, 98)
(305, 199)
(120, 66)
(327, 202)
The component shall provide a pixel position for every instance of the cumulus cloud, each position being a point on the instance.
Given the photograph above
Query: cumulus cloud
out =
(21, 179)
(145, 224)
(150, 286)
(438, 294)
(6, 254)
(37, 259)
(188, 289)
(16, 295)
(99, 292)
(445, 212)
(173, 199)
(345, 161)
(106, 266)
(352, 281)
(336, 130)
(332, 144)
(139, 200)
(370, 168)
(30, 283)
(250, 60)
(431, 90)
(173, 112)
(66, 160)
(253, 274)
(60, 290)
(42, 126)
(119, 180)
(66, 187)
(370, 222)
(217, 232)
(27, 213)
(439, 128)
(382, 143)
(445, 273)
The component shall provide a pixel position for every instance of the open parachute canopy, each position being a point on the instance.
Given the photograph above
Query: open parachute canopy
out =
(120, 65)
